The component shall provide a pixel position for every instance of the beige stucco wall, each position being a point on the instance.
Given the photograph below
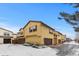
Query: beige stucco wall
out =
(26, 29)
(59, 37)
(42, 32)
(34, 40)
(2, 31)
(45, 33)
(14, 36)
(1, 40)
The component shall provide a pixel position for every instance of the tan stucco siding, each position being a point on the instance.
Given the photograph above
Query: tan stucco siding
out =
(45, 32)
(63, 38)
(59, 37)
(26, 30)
(34, 40)
(37, 37)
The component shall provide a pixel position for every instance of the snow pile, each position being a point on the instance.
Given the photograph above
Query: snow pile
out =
(20, 50)
(72, 42)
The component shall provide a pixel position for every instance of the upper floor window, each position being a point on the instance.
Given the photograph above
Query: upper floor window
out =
(6, 34)
(55, 35)
(33, 28)
(50, 31)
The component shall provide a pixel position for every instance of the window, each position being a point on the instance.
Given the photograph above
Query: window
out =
(55, 35)
(6, 34)
(33, 28)
(50, 31)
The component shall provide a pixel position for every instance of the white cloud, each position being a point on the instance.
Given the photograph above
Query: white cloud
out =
(9, 27)
(4, 23)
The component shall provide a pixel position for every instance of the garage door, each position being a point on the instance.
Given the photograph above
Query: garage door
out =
(47, 41)
(6, 41)
(21, 41)
(59, 41)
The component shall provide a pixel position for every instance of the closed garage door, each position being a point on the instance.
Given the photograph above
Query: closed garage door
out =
(21, 41)
(47, 41)
(6, 41)
(59, 41)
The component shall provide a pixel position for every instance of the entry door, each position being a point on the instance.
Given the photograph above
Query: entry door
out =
(47, 41)
(6, 41)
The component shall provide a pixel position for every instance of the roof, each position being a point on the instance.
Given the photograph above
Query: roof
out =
(20, 29)
(38, 22)
(59, 33)
(41, 23)
(6, 30)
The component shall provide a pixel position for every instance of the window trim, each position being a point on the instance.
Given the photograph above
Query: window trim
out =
(33, 30)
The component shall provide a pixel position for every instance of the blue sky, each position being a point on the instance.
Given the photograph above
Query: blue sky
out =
(15, 16)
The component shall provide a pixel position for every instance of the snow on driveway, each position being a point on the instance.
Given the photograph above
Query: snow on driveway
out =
(69, 49)
(72, 42)
(20, 50)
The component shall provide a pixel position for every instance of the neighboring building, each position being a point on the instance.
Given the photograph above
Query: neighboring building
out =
(37, 32)
(5, 36)
(18, 38)
(68, 39)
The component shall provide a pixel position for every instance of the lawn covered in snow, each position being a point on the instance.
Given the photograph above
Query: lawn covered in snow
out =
(66, 49)
(20, 50)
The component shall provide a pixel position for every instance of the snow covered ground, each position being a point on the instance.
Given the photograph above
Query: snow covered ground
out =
(72, 42)
(20, 50)
(66, 49)
(69, 49)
